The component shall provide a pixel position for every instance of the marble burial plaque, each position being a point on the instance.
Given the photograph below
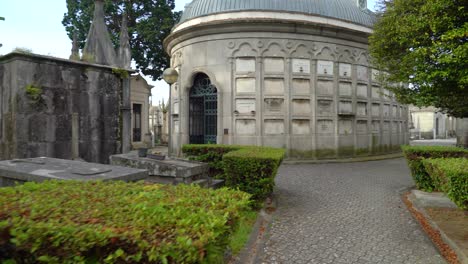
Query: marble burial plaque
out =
(325, 87)
(274, 86)
(245, 106)
(325, 67)
(386, 126)
(301, 66)
(345, 89)
(301, 106)
(274, 104)
(375, 110)
(274, 126)
(361, 127)
(301, 86)
(245, 85)
(375, 126)
(345, 70)
(345, 127)
(325, 126)
(301, 127)
(346, 107)
(361, 90)
(245, 126)
(325, 107)
(274, 65)
(362, 73)
(245, 65)
(361, 108)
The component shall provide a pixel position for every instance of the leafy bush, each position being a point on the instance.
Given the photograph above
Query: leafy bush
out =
(116, 222)
(249, 168)
(415, 154)
(450, 176)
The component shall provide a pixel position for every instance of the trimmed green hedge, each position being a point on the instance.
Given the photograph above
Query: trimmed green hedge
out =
(116, 222)
(415, 154)
(249, 168)
(450, 176)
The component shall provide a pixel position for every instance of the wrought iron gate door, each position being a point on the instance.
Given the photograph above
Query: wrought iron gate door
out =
(203, 107)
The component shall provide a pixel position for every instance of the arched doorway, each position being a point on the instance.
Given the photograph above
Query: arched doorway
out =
(203, 107)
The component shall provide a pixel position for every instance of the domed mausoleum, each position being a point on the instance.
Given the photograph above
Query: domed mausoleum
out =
(294, 74)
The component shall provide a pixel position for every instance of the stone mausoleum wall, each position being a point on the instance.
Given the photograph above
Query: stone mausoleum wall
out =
(304, 87)
(46, 102)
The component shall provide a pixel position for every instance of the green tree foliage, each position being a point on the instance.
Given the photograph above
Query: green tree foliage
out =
(424, 43)
(149, 22)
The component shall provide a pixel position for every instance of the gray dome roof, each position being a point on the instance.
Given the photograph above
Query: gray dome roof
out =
(346, 10)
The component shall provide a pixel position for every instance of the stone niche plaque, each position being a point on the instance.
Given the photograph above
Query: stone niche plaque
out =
(245, 65)
(325, 107)
(274, 65)
(375, 92)
(375, 126)
(274, 126)
(325, 126)
(245, 85)
(345, 70)
(375, 110)
(325, 67)
(345, 126)
(300, 127)
(362, 73)
(245, 106)
(361, 108)
(345, 89)
(301, 106)
(386, 126)
(274, 105)
(345, 107)
(245, 127)
(394, 110)
(386, 110)
(361, 90)
(361, 127)
(325, 88)
(274, 86)
(301, 66)
(301, 86)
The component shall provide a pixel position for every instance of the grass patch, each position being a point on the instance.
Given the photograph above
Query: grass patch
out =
(242, 234)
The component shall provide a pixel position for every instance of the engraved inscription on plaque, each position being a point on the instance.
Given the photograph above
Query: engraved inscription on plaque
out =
(301, 66)
(301, 86)
(345, 89)
(245, 106)
(375, 92)
(325, 67)
(325, 126)
(245, 85)
(375, 126)
(274, 65)
(361, 127)
(346, 107)
(245, 65)
(361, 109)
(245, 127)
(386, 110)
(274, 105)
(274, 86)
(325, 88)
(301, 106)
(345, 70)
(361, 90)
(274, 126)
(345, 126)
(375, 110)
(362, 73)
(301, 127)
(325, 107)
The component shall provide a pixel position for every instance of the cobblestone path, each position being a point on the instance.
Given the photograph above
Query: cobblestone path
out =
(345, 213)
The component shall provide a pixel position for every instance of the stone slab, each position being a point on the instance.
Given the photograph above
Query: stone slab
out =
(435, 199)
(170, 167)
(42, 168)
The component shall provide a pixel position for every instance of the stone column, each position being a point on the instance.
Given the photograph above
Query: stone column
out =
(126, 116)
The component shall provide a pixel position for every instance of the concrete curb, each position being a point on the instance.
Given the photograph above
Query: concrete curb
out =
(250, 253)
(418, 206)
(358, 159)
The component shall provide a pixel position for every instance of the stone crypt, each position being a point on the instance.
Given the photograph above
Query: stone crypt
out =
(290, 74)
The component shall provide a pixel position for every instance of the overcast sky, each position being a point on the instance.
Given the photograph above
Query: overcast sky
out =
(37, 25)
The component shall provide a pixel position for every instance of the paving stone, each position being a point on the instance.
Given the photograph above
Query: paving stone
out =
(345, 213)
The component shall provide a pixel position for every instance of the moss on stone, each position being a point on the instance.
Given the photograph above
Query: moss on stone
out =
(325, 153)
(302, 154)
(346, 151)
(362, 152)
(121, 73)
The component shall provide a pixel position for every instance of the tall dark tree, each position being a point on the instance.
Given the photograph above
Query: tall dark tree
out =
(149, 22)
(424, 43)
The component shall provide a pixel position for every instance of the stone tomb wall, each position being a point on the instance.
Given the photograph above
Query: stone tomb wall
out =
(44, 99)
(316, 96)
